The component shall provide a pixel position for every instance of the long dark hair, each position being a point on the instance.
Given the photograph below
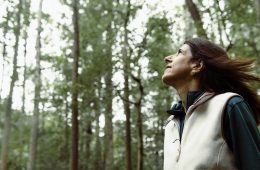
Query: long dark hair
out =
(222, 74)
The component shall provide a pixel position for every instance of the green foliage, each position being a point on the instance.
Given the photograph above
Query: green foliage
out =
(159, 43)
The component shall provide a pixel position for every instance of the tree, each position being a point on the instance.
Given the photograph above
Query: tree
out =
(8, 109)
(194, 12)
(139, 122)
(139, 101)
(37, 95)
(74, 104)
(5, 25)
(126, 70)
(109, 154)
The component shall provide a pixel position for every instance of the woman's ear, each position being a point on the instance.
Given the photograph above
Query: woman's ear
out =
(197, 66)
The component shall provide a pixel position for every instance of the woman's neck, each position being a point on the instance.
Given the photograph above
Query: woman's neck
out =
(183, 90)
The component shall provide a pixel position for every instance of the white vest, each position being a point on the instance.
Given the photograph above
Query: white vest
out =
(202, 146)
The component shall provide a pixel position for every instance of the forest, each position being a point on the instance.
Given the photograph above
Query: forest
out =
(80, 80)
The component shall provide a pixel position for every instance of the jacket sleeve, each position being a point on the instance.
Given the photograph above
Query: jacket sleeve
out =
(241, 134)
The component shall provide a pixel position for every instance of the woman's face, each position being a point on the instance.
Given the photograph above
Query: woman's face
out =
(178, 67)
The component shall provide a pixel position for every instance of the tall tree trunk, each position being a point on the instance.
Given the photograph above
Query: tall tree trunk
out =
(138, 105)
(8, 110)
(24, 73)
(194, 12)
(126, 70)
(4, 49)
(108, 118)
(74, 105)
(109, 155)
(128, 116)
(88, 153)
(140, 151)
(37, 96)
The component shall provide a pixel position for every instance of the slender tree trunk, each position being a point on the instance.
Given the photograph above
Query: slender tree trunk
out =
(88, 166)
(37, 96)
(138, 105)
(24, 72)
(74, 105)
(8, 110)
(140, 152)
(108, 118)
(109, 155)
(194, 12)
(4, 50)
(126, 71)
(128, 121)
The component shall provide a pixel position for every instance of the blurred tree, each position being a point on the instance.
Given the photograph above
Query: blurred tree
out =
(127, 72)
(5, 27)
(37, 94)
(108, 96)
(74, 100)
(139, 122)
(14, 77)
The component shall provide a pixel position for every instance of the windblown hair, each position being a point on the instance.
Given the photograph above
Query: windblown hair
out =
(222, 74)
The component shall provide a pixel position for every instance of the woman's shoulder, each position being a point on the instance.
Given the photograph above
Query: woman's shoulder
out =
(234, 100)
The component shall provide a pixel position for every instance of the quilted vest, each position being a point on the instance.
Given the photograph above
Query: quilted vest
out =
(203, 146)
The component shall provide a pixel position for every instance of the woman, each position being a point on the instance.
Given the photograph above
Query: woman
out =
(214, 126)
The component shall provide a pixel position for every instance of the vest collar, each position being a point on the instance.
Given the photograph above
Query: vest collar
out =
(202, 99)
(194, 99)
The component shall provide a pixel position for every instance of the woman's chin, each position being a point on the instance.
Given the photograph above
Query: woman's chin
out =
(166, 80)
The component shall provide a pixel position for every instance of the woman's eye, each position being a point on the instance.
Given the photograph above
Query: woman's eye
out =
(179, 51)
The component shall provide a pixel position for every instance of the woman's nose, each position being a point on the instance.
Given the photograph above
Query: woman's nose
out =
(168, 59)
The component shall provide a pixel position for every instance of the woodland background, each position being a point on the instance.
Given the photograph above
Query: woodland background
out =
(80, 80)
